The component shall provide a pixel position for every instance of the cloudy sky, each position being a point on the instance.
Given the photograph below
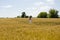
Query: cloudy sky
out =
(12, 8)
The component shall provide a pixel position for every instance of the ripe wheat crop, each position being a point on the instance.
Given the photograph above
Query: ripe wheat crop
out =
(21, 29)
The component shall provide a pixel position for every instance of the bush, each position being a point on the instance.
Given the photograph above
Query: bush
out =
(42, 15)
(18, 16)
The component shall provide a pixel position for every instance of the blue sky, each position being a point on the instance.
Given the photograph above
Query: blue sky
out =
(13, 8)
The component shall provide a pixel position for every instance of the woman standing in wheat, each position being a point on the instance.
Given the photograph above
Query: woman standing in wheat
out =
(30, 19)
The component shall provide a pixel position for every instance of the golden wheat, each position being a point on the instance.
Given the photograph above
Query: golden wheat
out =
(21, 29)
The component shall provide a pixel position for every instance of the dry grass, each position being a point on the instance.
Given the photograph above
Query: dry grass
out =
(21, 29)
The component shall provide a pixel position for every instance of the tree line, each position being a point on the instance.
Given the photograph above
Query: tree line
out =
(24, 15)
(53, 13)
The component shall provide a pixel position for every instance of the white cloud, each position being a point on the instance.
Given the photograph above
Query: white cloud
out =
(7, 6)
(42, 9)
(44, 3)
(42, 6)
(39, 3)
(45, 8)
(50, 1)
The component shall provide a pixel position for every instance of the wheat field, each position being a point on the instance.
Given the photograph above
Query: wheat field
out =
(21, 29)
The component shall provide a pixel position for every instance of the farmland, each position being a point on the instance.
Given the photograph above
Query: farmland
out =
(21, 29)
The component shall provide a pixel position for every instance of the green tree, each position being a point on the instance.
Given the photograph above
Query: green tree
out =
(53, 13)
(42, 15)
(23, 15)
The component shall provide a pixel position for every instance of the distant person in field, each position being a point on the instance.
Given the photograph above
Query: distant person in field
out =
(30, 19)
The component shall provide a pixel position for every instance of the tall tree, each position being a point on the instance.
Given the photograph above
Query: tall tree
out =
(53, 13)
(23, 15)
